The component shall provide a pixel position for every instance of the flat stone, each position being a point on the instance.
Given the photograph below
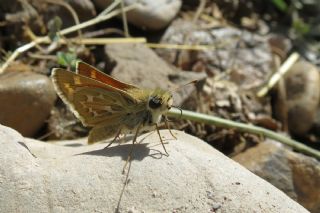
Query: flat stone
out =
(70, 177)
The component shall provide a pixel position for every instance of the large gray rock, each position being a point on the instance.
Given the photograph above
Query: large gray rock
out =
(232, 51)
(194, 178)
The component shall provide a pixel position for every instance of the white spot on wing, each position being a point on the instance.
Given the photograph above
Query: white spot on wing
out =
(89, 98)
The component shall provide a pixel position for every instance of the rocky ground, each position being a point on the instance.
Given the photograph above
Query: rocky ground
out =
(232, 49)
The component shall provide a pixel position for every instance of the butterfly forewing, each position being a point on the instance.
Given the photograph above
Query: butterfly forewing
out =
(99, 106)
(91, 72)
(93, 102)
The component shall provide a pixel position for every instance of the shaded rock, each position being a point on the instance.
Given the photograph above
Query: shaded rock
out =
(26, 100)
(316, 126)
(191, 3)
(245, 55)
(194, 178)
(303, 94)
(295, 174)
(139, 65)
(303, 90)
(8, 7)
(280, 45)
(152, 15)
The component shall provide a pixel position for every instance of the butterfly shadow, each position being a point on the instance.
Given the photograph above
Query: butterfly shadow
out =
(123, 150)
(140, 150)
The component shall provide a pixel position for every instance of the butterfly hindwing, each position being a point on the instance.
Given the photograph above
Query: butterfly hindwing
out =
(91, 72)
(101, 133)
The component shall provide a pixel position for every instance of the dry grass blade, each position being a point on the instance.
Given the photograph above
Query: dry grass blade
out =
(66, 31)
(279, 74)
(102, 41)
(124, 21)
(181, 46)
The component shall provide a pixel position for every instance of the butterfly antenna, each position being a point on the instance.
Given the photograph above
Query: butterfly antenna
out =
(178, 109)
(194, 82)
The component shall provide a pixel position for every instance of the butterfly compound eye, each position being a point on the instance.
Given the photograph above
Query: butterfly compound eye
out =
(155, 103)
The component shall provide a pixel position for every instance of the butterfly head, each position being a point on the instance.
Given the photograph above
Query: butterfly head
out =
(160, 101)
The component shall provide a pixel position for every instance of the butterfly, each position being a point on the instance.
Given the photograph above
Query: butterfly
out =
(110, 106)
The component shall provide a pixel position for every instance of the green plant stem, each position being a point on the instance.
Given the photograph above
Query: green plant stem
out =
(241, 127)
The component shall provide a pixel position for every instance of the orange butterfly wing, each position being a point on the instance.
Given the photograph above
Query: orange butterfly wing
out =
(92, 101)
(91, 72)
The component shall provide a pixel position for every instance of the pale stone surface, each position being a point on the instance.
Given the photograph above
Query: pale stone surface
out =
(149, 14)
(71, 178)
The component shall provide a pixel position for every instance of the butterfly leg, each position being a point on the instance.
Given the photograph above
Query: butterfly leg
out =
(114, 139)
(157, 128)
(168, 127)
(131, 150)
(123, 139)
